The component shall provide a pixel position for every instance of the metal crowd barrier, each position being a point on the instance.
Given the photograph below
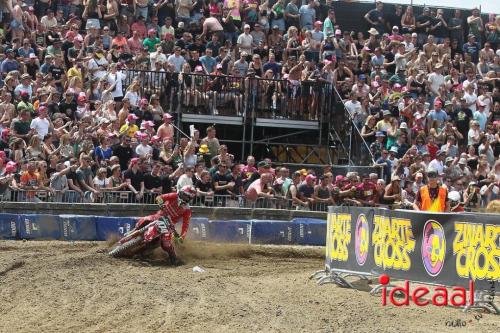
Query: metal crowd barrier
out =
(215, 200)
(236, 96)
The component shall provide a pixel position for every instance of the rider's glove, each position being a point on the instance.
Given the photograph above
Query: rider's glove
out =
(159, 201)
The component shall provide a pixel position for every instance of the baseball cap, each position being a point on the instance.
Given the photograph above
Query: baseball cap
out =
(132, 117)
(380, 134)
(10, 167)
(167, 116)
(462, 161)
(395, 27)
(310, 177)
(151, 31)
(338, 32)
(432, 173)
(32, 56)
(403, 125)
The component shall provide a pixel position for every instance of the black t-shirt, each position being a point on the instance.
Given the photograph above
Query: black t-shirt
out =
(194, 63)
(56, 72)
(422, 19)
(394, 20)
(135, 178)
(66, 45)
(167, 11)
(72, 175)
(166, 184)
(204, 187)
(306, 191)
(31, 69)
(68, 108)
(124, 154)
(440, 31)
(462, 118)
(390, 58)
(238, 181)
(151, 181)
(222, 180)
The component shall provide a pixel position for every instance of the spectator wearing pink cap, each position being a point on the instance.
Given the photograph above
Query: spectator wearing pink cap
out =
(147, 126)
(130, 127)
(151, 41)
(143, 149)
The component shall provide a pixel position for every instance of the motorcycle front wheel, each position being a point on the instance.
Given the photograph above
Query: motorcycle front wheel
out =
(125, 249)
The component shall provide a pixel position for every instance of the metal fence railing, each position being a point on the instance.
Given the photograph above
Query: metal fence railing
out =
(127, 197)
(227, 95)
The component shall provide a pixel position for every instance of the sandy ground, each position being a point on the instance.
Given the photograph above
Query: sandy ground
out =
(65, 287)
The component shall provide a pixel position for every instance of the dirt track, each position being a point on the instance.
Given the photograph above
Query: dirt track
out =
(64, 287)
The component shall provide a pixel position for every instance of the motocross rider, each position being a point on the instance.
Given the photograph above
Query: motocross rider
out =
(173, 206)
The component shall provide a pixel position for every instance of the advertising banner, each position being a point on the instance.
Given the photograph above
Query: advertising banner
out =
(435, 248)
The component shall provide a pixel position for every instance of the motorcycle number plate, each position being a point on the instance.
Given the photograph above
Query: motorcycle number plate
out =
(162, 226)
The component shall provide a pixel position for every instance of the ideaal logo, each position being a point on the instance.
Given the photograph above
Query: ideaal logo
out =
(362, 239)
(339, 236)
(477, 251)
(433, 247)
(392, 242)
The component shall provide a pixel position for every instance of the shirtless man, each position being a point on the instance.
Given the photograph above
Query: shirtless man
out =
(213, 26)
(166, 130)
(430, 47)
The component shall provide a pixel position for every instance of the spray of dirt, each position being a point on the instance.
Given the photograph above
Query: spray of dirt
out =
(190, 250)
(195, 250)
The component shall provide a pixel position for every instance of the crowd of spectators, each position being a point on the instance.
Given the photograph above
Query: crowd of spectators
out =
(423, 91)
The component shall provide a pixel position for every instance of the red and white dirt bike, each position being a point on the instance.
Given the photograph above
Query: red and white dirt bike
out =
(157, 233)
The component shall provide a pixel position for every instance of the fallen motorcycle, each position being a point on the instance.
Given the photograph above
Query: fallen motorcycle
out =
(157, 233)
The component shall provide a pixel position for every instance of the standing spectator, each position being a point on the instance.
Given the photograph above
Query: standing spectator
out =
(375, 17)
(307, 15)
(476, 25)
(85, 178)
(456, 27)
(394, 19)
(424, 22)
(135, 179)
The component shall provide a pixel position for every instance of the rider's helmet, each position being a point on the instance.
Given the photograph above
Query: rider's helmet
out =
(454, 197)
(186, 194)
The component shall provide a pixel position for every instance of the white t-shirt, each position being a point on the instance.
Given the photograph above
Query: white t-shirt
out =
(94, 63)
(48, 23)
(155, 57)
(142, 150)
(436, 165)
(401, 61)
(245, 41)
(470, 99)
(436, 80)
(118, 77)
(487, 101)
(183, 181)
(133, 98)
(41, 126)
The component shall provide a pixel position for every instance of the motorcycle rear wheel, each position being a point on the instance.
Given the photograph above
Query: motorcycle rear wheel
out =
(124, 249)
